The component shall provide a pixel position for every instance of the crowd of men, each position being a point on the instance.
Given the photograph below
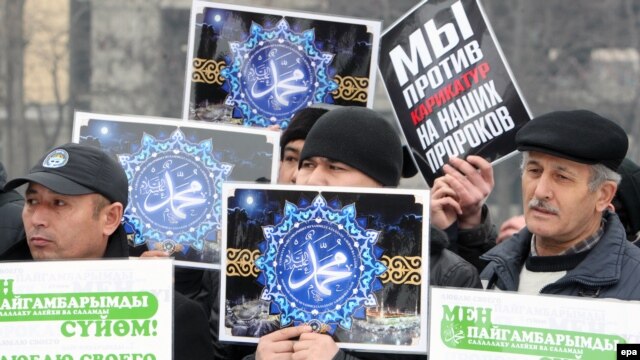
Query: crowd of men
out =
(580, 208)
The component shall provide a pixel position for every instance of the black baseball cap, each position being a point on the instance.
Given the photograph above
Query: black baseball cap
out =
(75, 169)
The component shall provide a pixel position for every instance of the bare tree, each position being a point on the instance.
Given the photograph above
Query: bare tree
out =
(14, 10)
(54, 50)
(632, 14)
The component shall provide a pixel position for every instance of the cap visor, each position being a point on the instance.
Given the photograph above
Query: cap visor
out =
(55, 183)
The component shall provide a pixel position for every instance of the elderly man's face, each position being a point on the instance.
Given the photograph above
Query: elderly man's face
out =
(65, 226)
(326, 172)
(558, 205)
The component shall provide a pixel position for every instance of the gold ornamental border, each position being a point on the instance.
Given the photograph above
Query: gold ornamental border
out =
(207, 71)
(241, 262)
(351, 88)
(402, 270)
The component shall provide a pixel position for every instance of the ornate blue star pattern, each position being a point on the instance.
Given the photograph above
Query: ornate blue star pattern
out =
(319, 266)
(275, 73)
(174, 188)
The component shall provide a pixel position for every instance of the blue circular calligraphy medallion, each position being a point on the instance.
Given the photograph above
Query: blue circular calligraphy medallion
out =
(172, 192)
(275, 72)
(278, 79)
(318, 267)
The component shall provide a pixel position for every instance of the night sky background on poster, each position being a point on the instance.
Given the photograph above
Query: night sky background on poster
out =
(250, 154)
(216, 28)
(441, 13)
(397, 216)
(251, 159)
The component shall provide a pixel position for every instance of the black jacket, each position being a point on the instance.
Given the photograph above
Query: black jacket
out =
(470, 244)
(191, 339)
(447, 268)
(610, 270)
(11, 229)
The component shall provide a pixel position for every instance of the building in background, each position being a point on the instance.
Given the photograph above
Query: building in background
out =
(128, 57)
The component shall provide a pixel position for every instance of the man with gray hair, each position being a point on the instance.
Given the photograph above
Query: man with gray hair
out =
(572, 243)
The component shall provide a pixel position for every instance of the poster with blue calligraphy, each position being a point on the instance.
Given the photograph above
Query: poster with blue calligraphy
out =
(176, 170)
(450, 86)
(350, 262)
(258, 67)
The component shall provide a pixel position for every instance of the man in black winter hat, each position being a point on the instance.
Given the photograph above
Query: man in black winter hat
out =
(351, 146)
(355, 146)
(572, 244)
(292, 141)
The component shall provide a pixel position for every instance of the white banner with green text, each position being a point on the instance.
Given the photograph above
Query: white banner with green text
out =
(476, 324)
(86, 310)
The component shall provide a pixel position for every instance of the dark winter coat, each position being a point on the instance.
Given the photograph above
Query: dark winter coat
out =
(610, 270)
(11, 229)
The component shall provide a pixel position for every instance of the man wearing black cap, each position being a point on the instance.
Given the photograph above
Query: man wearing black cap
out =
(74, 192)
(75, 198)
(351, 146)
(292, 141)
(572, 244)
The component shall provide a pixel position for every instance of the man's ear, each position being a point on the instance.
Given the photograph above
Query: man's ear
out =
(605, 195)
(113, 216)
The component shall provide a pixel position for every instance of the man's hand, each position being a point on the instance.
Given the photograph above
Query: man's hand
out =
(314, 346)
(278, 345)
(444, 204)
(472, 181)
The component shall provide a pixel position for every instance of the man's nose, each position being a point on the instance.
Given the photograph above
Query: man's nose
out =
(318, 177)
(38, 218)
(543, 189)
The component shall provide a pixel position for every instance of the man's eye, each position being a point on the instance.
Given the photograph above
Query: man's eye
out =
(290, 159)
(59, 202)
(307, 164)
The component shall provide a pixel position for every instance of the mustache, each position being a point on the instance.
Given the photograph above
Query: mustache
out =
(543, 205)
(37, 233)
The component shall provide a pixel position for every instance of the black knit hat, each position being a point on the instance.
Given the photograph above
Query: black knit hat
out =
(74, 169)
(358, 137)
(299, 126)
(578, 135)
